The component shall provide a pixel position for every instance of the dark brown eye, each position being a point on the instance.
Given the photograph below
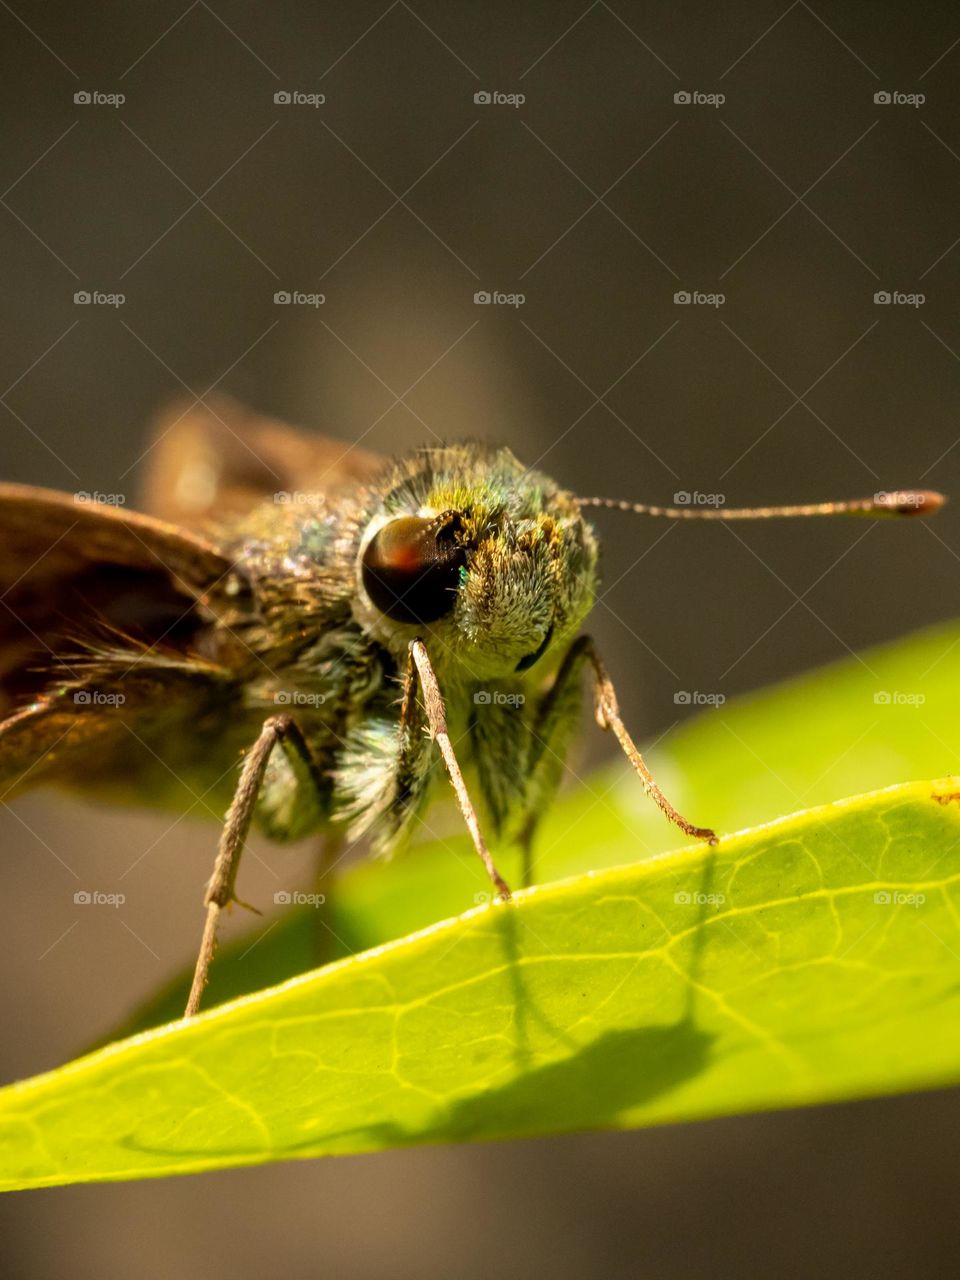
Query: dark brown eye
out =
(411, 567)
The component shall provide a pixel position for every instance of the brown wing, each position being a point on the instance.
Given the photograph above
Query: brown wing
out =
(65, 561)
(140, 729)
(46, 533)
(217, 459)
(90, 594)
(135, 597)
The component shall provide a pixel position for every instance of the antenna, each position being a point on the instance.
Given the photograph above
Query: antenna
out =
(896, 502)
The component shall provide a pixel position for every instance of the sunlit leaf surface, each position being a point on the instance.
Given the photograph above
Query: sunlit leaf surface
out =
(817, 958)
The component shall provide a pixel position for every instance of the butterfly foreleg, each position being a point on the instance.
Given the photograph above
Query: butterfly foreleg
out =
(280, 730)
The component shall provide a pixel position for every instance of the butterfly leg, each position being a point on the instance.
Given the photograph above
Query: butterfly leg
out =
(607, 715)
(420, 665)
(552, 728)
(220, 891)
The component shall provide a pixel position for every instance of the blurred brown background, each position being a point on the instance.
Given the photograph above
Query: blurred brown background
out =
(598, 198)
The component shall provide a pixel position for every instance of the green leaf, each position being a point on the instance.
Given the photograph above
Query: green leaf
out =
(816, 958)
(876, 718)
(824, 735)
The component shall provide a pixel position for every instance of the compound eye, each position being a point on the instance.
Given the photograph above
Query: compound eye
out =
(411, 567)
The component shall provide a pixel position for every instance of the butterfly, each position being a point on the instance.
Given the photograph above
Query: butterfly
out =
(314, 638)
